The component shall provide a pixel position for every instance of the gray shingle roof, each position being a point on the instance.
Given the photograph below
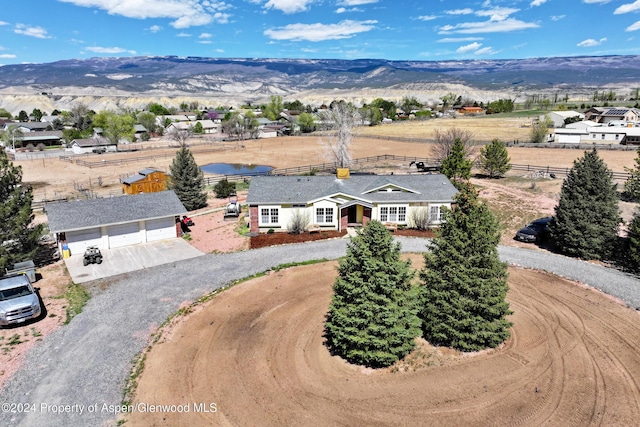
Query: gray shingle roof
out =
(82, 214)
(303, 189)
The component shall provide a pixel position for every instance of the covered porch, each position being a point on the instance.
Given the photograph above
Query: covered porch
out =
(354, 213)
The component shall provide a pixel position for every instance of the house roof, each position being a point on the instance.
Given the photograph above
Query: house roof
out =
(83, 214)
(34, 126)
(139, 176)
(369, 188)
(91, 142)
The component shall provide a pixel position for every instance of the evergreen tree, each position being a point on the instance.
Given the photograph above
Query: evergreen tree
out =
(587, 215)
(372, 318)
(187, 180)
(456, 166)
(633, 252)
(494, 159)
(632, 184)
(18, 238)
(464, 283)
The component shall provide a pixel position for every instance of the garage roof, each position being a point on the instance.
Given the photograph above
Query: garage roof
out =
(83, 214)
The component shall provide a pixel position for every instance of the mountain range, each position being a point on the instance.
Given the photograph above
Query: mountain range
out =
(241, 80)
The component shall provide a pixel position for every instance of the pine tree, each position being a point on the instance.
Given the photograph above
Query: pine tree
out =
(187, 180)
(633, 251)
(18, 238)
(463, 281)
(372, 318)
(494, 159)
(632, 184)
(587, 216)
(456, 166)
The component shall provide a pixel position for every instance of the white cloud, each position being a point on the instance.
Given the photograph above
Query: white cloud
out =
(633, 27)
(591, 42)
(320, 32)
(289, 6)
(37, 32)
(504, 26)
(427, 17)
(186, 13)
(183, 35)
(626, 8)
(3, 23)
(109, 50)
(558, 17)
(469, 48)
(459, 39)
(155, 28)
(466, 11)
(596, 1)
(7, 56)
(205, 36)
(535, 3)
(498, 13)
(353, 9)
(356, 2)
(341, 10)
(485, 51)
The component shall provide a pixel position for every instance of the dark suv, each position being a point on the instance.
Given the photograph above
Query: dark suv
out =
(536, 231)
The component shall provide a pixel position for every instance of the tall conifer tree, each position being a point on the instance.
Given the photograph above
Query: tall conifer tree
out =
(18, 237)
(587, 215)
(463, 281)
(372, 318)
(187, 180)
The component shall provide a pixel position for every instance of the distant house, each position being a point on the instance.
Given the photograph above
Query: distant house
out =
(27, 127)
(139, 130)
(471, 110)
(114, 221)
(605, 115)
(145, 181)
(92, 145)
(559, 117)
(48, 138)
(333, 203)
(209, 126)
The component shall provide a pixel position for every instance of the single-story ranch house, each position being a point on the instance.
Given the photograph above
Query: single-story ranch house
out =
(115, 221)
(332, 203)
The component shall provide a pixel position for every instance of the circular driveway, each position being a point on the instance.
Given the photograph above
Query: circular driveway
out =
(76, 375)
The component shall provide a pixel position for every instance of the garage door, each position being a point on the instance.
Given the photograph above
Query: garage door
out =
(124, 235)
(80, 239)
(160, 229)
(568, 139)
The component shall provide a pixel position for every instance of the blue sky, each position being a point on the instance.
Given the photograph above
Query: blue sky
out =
(51, 30)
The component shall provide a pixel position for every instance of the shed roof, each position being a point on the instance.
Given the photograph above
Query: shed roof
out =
(83, 214)
(305, 189)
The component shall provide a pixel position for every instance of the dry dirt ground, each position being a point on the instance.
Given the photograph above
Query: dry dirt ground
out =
(255, 354)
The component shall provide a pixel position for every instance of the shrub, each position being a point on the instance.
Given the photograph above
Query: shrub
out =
(224, 189)
(41, 147)
(420, 218)
(30, 147)
(298, 222)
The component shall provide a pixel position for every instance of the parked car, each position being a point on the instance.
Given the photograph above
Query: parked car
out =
(18, 300)
(100, 150)
(536, 231)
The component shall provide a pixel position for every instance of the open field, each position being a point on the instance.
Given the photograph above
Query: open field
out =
(573, 358)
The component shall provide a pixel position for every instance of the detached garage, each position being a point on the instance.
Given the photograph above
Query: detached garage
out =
(114, 222)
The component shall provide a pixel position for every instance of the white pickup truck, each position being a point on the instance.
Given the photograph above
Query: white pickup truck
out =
(18, 300)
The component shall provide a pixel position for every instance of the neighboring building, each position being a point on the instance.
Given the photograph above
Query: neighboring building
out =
(209, 126)
(48, 138)
(605, 115)
(92, 145)
(27, 127)
(558, 117)
(146, 181)
(335, 204)
(598, 135)
(471, 110)
(115, 221)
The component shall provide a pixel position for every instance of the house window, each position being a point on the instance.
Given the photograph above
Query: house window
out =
(617, 137)
(435, 214)
(594, 136)
(393, 214)
(269, 215)
(602, 136)
(324, 215)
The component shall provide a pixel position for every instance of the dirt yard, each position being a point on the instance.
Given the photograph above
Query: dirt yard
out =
(255, 355)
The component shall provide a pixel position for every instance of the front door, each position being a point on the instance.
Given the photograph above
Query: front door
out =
(352, 214)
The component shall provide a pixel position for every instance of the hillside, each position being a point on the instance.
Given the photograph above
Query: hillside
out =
(104, 83)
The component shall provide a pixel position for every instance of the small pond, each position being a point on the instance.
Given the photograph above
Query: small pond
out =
(235, 169)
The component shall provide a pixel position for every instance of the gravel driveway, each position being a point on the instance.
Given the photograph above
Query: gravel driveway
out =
(84, 364)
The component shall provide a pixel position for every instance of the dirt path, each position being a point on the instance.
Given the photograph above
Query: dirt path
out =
(256, 352)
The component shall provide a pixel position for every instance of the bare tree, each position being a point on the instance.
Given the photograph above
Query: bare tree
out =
(444, 140)
(181, 136)
(340, 120)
